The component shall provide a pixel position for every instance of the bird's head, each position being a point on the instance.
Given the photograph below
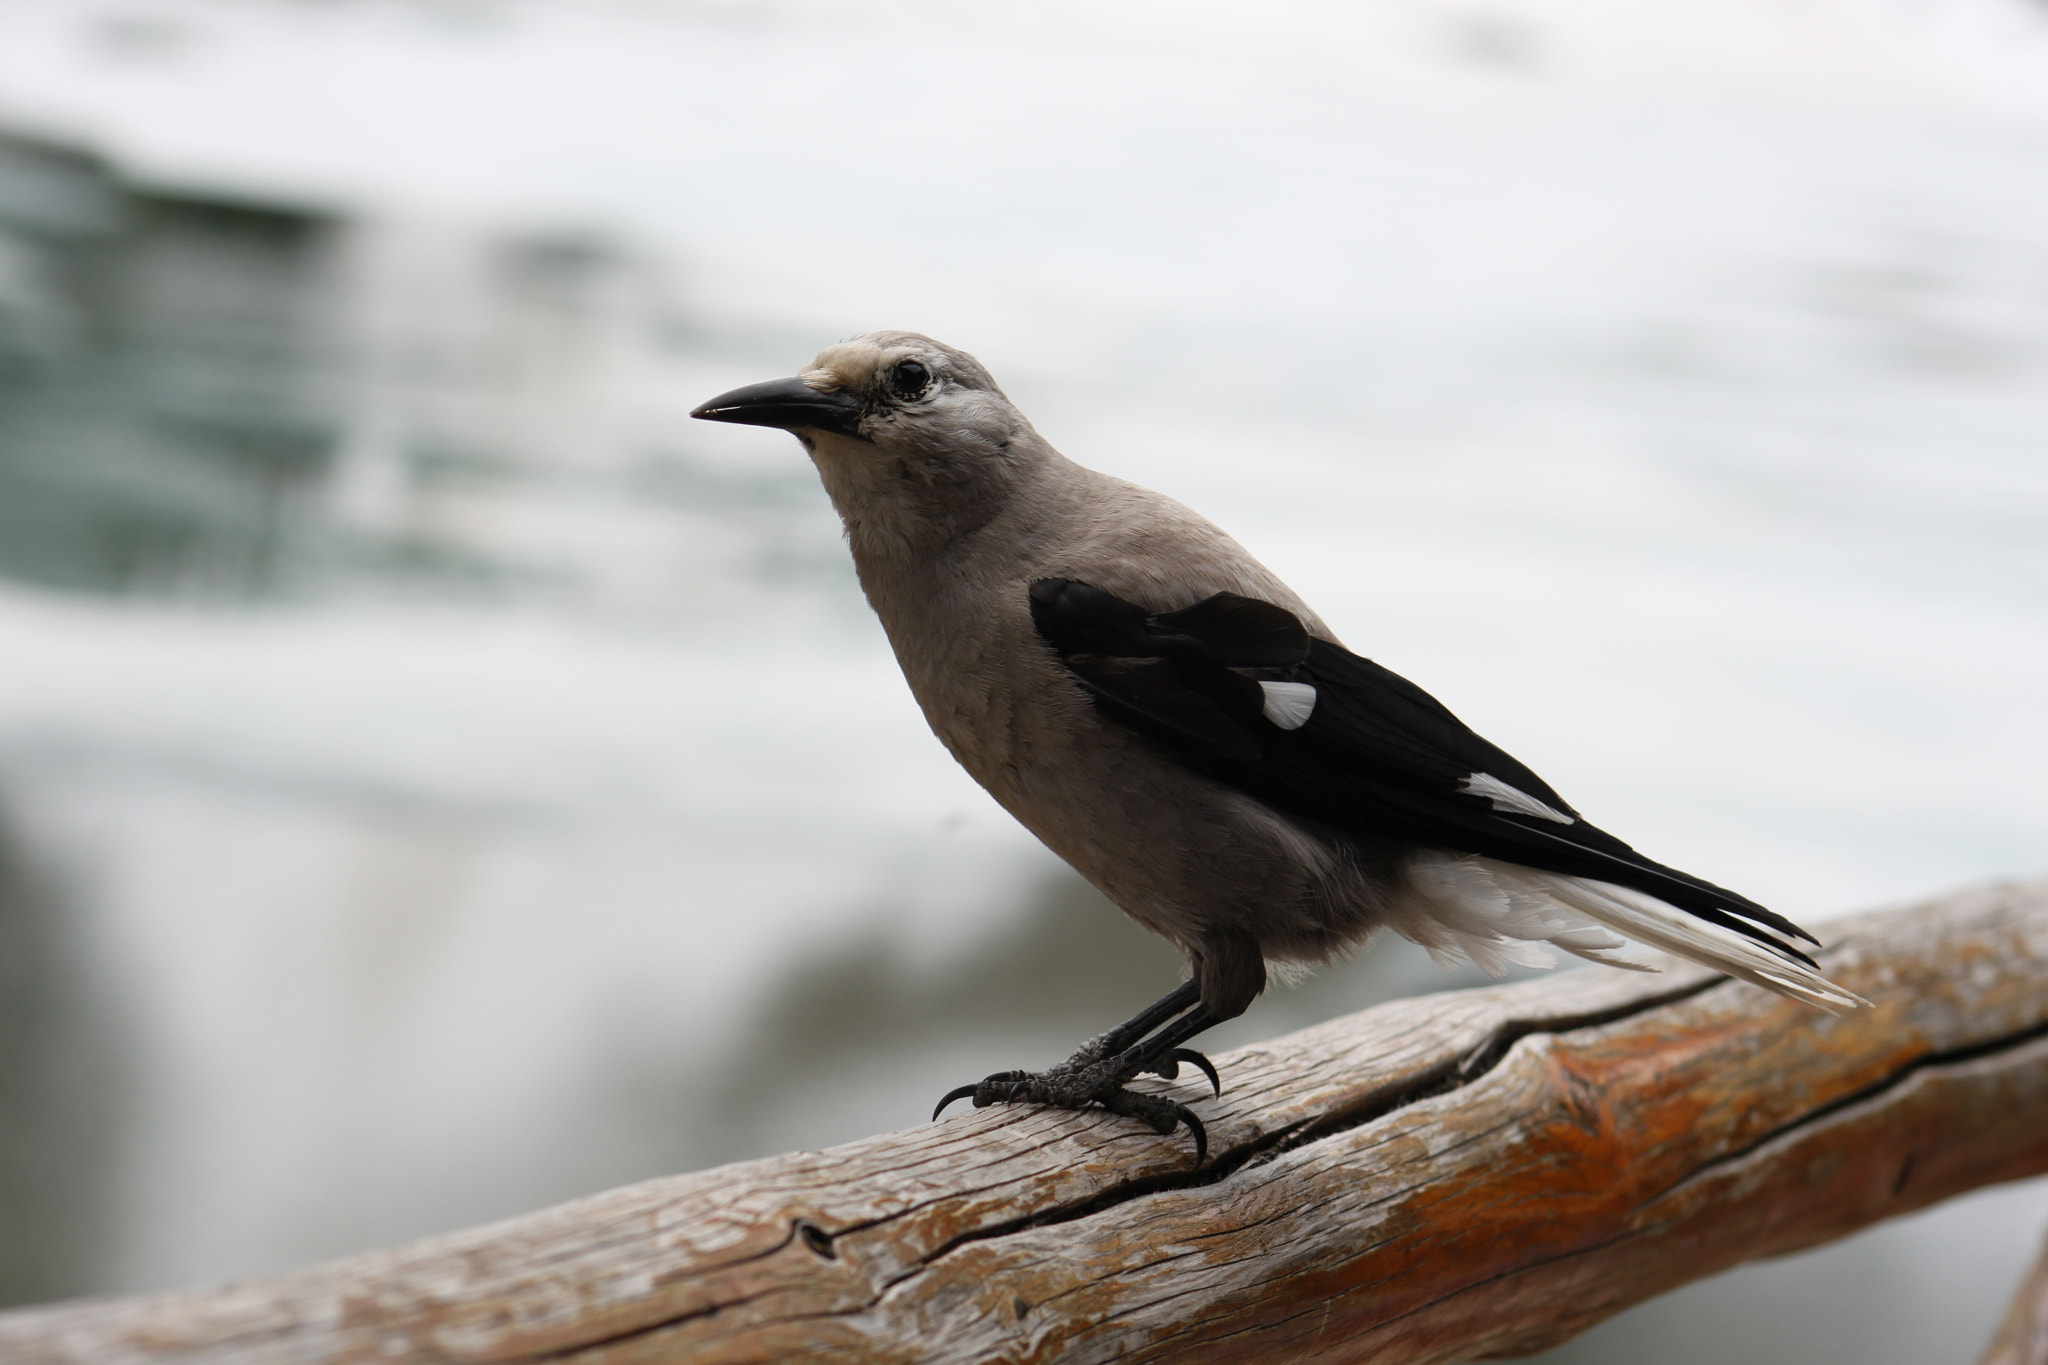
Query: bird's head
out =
(899, 391)
(908, 434)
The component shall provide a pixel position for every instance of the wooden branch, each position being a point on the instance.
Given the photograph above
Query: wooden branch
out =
(2023, 1335)
(1470, 1174)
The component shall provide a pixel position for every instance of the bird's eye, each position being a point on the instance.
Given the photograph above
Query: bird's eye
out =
(908, 379)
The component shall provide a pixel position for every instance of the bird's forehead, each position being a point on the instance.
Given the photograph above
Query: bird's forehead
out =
(849, 365)
(852, 364)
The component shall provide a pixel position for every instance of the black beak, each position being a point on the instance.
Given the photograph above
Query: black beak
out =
(789, 404)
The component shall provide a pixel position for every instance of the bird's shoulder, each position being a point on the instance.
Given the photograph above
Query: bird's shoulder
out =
(1157, 552)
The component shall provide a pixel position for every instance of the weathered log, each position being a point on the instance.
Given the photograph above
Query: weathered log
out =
(2023, 1334)
(1469, 1174)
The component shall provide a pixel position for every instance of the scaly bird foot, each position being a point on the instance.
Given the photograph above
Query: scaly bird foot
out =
(1088, 1078)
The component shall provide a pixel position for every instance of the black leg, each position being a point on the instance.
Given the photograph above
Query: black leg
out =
(1151, 1017)
(1162, 1053)
(1148, 1042)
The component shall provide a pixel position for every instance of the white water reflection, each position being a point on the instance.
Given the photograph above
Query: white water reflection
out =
(1669, 399)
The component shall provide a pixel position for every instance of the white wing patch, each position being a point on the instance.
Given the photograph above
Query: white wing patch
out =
(1500, 793)
(1289, 705)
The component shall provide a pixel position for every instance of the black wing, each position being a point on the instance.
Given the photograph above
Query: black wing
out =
(1376, 753)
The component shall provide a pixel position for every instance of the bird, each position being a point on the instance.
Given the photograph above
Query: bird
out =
(1172, 720)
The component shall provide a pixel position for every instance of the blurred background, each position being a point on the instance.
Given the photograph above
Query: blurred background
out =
(437, 778)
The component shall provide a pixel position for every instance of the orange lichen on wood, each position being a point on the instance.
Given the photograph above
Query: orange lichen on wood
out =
(1470, 1174)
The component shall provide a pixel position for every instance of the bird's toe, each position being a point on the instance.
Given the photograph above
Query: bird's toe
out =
(1168, 1067)
(1161, 1115)
(958, 1092)
(997, 1088)
(1081, 1082)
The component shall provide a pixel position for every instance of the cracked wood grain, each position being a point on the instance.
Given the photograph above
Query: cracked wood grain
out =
(1472, 1174)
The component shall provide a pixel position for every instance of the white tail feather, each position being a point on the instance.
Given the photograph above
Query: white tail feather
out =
(1495, 913)
(1648, 920)
(1462, 912)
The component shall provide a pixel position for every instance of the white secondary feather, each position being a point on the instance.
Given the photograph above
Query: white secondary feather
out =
(1495, 913)
(1515, 799)
(1289, 705)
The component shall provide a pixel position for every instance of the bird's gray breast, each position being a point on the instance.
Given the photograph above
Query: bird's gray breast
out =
(992, 691)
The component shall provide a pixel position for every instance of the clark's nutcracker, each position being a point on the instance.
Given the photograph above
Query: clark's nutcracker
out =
(1172, 720)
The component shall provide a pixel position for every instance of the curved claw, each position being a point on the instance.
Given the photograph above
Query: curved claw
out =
(1201, 1134)
(1200, 1063)
(958, 1092)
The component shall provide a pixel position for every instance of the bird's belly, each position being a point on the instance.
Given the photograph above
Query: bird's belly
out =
(1179, 852)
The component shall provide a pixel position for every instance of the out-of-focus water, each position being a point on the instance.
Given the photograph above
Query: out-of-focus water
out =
(437, 778)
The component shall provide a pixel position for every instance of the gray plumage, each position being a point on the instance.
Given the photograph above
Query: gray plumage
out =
(952, 509)
(954, 506)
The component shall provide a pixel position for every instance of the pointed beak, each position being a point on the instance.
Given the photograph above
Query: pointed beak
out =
(789, 404)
